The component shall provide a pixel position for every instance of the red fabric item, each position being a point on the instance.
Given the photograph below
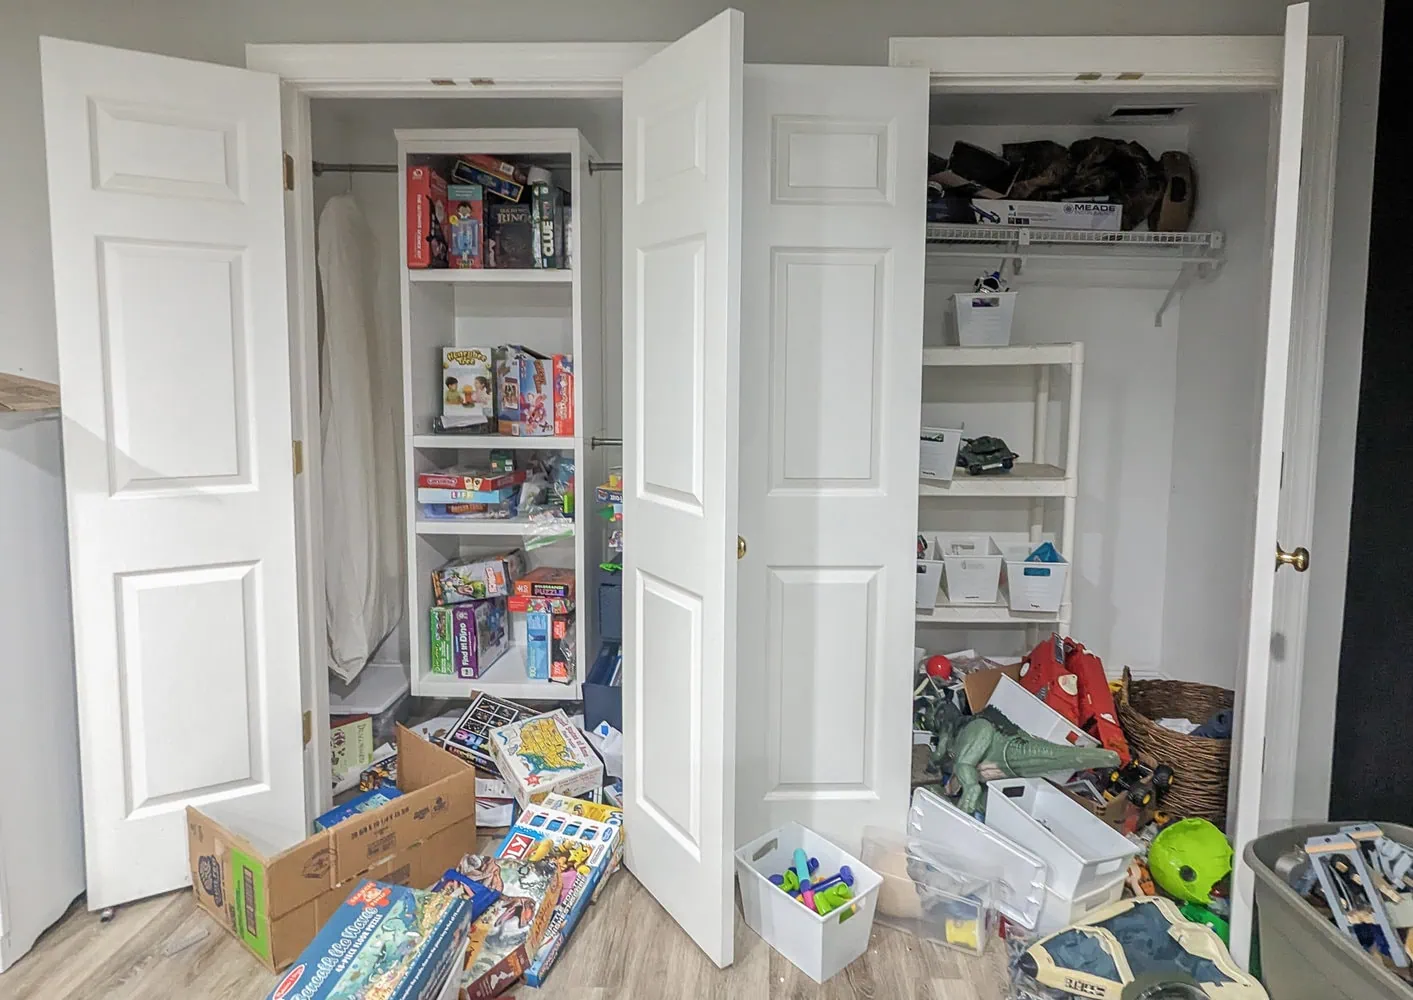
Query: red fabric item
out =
(1071, 680)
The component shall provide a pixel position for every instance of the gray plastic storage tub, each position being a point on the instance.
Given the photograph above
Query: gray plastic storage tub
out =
(1303, 955)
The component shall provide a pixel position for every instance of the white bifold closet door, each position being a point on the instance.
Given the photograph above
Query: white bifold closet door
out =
(167, 218)
(771, 379)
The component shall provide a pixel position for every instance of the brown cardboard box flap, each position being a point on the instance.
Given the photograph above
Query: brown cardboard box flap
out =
(981, 684)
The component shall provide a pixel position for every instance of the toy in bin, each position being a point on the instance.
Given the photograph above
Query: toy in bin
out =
(1135, 949)
(980, 455)
(384, 941)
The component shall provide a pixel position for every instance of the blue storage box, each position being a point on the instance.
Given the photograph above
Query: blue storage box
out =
(603, 702)
(610, 606)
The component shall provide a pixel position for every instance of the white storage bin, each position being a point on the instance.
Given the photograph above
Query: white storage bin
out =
(938, 447)
(1037, 719)
(983, 319)
(1083, 851)
(1034, 586)
(931, 893)
(819, 946)
(1021, 889)
(972, 567)
(1061, 911)
(381, 691)
(929, 579)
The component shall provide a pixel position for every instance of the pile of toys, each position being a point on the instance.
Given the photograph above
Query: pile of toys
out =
(477, 211)
(484, 604)
(497, 916)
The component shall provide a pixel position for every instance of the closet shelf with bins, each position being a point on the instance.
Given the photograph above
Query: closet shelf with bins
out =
(551, 311)
(1034, 480)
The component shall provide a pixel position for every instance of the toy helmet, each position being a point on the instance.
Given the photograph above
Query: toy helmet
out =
(1188, 858)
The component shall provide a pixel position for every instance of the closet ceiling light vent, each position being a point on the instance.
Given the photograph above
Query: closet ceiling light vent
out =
(1144, 112)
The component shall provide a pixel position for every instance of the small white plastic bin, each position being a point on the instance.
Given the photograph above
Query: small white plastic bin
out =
(1061, 911)
(931, 893)
(1083, 851)
(938, 447)
(819, 946)
(983, 319)
(1034, 586)
(929, 578)
(972, 567)
(1037, 719)
(1021, 886)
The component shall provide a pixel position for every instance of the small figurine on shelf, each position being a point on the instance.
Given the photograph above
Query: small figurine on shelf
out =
(983, 454)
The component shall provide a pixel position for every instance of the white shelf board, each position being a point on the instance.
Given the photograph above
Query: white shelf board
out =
(500, 526)
(988, 614)
(1025, 480)
(505, 679)
(490, 441)
(946, 236)
(1016, 354)
(491, 276)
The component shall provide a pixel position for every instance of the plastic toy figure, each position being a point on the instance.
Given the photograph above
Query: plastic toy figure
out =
(985, 454)
(990, 746)
(1071, 680)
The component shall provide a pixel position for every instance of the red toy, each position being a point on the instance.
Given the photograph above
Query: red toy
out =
(1071, 680)
(939, 668)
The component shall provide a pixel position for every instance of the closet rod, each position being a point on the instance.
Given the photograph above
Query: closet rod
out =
(321, 167)
(605, 442)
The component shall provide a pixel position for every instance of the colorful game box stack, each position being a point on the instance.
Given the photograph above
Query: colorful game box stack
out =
(545, 595)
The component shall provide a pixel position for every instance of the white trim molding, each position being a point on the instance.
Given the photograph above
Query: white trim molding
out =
(453, 69)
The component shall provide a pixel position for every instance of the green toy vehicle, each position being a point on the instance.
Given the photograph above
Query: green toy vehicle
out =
(984, 454)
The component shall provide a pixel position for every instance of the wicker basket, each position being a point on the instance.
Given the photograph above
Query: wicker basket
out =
(1201, 764)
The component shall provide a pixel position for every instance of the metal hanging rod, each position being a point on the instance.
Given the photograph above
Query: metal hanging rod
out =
(605, 442)
(320, 167)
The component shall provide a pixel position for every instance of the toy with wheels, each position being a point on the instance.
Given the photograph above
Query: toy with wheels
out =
(980, 455)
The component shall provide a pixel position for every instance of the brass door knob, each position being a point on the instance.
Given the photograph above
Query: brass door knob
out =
(740, 547)
(1298, 557)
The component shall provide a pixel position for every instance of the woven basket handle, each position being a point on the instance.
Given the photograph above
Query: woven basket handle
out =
(1123, 687)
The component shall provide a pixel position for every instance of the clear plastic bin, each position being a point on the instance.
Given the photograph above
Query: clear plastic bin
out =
(931, 893)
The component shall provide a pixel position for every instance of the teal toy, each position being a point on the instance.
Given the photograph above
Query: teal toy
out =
(802, 872)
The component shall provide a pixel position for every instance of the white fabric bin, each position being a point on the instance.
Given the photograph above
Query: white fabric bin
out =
(1083, 851)
(983, 319)
(819, 946)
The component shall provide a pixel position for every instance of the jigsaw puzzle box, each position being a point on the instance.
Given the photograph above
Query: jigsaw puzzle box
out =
(274, 901)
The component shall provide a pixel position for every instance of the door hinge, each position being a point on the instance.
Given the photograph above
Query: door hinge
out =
(308, 727)
(298, 447)
(289, 172)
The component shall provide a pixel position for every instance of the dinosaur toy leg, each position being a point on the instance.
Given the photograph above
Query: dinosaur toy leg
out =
(971, 751)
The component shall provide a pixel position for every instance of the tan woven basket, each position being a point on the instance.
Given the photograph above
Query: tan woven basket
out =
(1201, 765)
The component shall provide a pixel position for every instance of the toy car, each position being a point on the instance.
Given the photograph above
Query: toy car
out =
(985, 454)
(1142, 784)
(1135, 948)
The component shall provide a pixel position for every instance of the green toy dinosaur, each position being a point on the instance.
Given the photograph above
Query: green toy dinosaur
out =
(989, 745)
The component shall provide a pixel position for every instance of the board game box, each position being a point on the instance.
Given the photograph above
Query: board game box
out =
(544, 754)
(465, 639)
(510, 236)
(478, 578)
(504, 939)
(564, 395)
(545, 581)
(384, 941)
(582, 850)
(467, 390)
(426, 217)
(374, 798)
(470, 738)
(470, 478)
(547, 209)
(602, 812)
(466, 218)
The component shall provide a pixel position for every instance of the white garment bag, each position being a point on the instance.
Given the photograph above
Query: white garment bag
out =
(362, 561)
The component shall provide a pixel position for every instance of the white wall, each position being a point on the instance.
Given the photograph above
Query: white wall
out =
(828, 31)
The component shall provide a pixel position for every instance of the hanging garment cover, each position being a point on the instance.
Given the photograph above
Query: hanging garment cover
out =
(361, 551)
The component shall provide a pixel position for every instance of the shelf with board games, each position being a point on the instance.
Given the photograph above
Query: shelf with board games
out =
(501, 350)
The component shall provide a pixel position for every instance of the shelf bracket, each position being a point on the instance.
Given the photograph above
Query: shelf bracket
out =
(1191, 273)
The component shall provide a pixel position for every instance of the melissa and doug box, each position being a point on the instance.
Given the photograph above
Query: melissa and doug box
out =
(505, 937)
(544, 754)
(582, 850)
(467, 388)
(525, 386)
(385, 941)
(426, 217)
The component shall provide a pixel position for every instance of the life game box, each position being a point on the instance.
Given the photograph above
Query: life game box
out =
(383, 941)
(274, 898)
(543, 754)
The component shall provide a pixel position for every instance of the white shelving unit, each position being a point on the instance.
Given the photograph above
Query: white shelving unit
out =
(1037, 480)
(550, 311)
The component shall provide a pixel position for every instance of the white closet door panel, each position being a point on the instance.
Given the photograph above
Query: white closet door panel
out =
(831, 303)
(1248, 745)
(167, 225)
(681, 323)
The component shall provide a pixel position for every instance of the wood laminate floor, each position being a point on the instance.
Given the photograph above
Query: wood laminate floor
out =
(627, 947)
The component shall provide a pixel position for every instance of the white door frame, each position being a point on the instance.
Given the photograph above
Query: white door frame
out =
(1208, 63)
(504, 69)
(1020, 65)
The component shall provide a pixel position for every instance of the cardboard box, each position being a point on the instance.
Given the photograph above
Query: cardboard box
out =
(467, 387)
(407, 940)
(275, 901)
(543, 754)
(1091, 216)
(979, 684)
(426, 218)
(467, 638)
(466, 214)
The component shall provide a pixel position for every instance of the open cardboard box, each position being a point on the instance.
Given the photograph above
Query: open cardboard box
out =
(276, 900)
